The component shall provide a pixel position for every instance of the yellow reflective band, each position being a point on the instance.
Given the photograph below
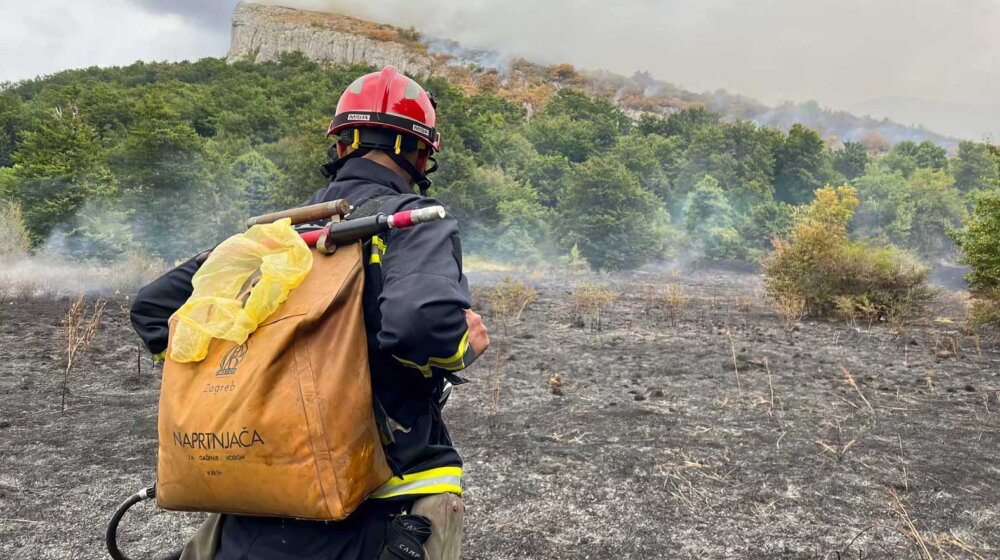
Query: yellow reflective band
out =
(433, 481)
(378, 249)
(454, 362)
(424, 475)
(357, 138)
(433, 489)
(161, 357)
(425, 369)
(399, 143)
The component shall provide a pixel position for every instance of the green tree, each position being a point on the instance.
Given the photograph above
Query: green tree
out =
(298, 157)
(12, 121)
(561, 135)
(851, 160)
(802, 165)
(609, 216)
(577, 126)
(975, 167)
(579, 106)
(907, 157)
(739, 155)
(766, 221)
(887, 209)
(931, 156)
(59, 165)
(710, 222)
(916, 213)
(655, 160)
(162, 170)
(257, 176)
(686, 124)
(938, 207)
(508, 149)
(500, 216)
(978, 241)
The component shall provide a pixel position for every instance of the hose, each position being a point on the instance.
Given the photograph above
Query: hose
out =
(111, 537)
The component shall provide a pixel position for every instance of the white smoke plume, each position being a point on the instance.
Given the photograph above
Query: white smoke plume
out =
(838, 52)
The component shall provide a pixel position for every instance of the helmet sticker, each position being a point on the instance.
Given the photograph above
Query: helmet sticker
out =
(358, 85)
(413, 89)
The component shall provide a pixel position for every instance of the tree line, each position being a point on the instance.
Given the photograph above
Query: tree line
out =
(170, 158)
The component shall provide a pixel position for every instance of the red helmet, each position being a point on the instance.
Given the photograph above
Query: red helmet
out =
(386, 100)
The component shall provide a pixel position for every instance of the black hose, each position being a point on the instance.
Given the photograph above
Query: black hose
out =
(111, 537)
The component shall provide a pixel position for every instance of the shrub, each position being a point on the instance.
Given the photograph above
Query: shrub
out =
(981, 252)
(832, 275)
(13, 235)
(592, 301)
(508, 299)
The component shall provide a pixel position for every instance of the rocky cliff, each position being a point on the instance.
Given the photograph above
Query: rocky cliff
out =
(262, 33)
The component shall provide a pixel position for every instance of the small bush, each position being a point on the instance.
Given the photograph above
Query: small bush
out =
(821, 269)
(674, 301)
(985, 311)
(508, 299)
(13, 236)
(593, 300)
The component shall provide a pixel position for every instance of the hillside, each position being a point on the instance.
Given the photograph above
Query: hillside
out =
(263, 33)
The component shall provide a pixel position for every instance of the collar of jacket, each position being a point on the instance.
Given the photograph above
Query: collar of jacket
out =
(366, 170)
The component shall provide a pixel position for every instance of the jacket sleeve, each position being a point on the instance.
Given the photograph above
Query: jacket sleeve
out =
(424, 298)
(159, 300)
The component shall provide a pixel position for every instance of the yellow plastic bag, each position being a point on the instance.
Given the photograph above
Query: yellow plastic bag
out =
(269, 260)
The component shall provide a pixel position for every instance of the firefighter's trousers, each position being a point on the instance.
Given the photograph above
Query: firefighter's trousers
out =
(445, 511)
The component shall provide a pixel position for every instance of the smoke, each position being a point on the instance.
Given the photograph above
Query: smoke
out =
(839, 52)
(48, 275)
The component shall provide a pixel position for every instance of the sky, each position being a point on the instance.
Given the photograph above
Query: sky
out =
(932, 62)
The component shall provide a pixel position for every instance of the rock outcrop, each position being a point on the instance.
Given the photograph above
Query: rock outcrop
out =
(262, 33)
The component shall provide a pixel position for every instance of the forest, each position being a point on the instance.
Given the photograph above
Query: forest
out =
(166, 159)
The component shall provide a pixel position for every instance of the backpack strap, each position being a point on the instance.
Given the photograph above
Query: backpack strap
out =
(372, 206)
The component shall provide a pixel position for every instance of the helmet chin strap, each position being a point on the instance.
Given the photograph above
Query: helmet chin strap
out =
(420, 180)
(332, 167)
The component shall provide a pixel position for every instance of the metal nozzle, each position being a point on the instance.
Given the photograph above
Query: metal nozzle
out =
(428, 214)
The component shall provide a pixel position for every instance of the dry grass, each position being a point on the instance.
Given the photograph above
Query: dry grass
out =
(354, 26)
(593, 301)
(790, 307)
(670, 299)
(674, 302)
(80, 325)
(508, 299)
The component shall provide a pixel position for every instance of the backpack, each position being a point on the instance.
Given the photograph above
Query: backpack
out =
(282, 425)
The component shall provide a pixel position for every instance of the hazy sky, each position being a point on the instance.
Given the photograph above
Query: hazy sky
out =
(843, 53)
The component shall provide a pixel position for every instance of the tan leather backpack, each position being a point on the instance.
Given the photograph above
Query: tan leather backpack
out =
(282, 425)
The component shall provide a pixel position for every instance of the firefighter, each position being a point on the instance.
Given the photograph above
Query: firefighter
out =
(421, 332)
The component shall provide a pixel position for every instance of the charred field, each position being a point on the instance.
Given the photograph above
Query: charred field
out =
(677, 418)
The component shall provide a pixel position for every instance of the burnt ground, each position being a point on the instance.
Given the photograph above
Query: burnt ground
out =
(653, 449)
